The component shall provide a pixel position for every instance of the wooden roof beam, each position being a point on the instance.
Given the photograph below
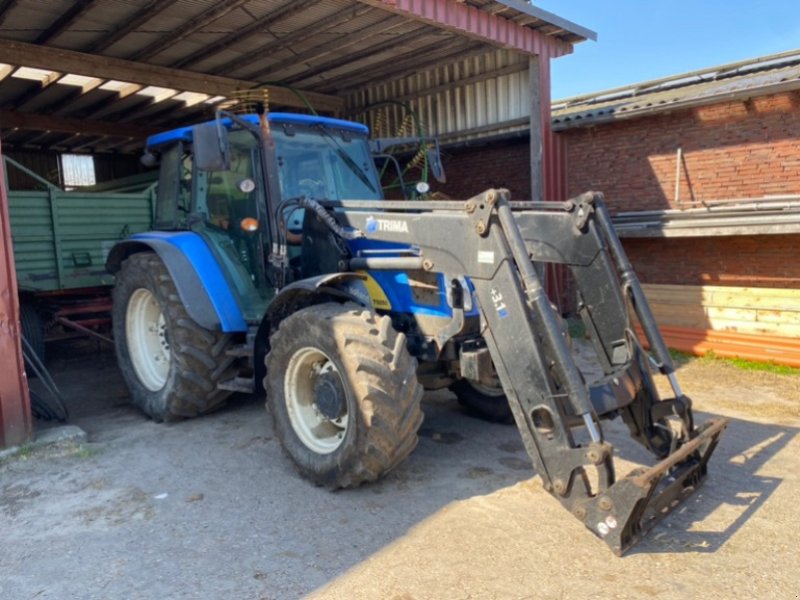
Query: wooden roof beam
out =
(72, 97)
(33, 91)
(35, 122)
(101, 107)
(105, 67)
(284, 12)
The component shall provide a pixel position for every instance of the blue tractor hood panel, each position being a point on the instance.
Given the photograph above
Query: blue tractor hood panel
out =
(184, 134)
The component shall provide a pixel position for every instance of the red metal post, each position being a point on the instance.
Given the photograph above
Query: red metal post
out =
(15, 405)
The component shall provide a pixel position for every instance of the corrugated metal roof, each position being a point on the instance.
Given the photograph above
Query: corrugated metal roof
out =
(330, 48)
(756, 77)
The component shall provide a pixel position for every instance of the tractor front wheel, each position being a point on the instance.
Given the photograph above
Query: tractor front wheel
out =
(343, 393)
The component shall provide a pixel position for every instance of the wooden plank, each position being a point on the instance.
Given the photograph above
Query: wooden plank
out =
(64, 125)
(734, 297)
(105, 67)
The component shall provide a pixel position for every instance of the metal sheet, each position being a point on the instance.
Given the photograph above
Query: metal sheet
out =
(61, 239)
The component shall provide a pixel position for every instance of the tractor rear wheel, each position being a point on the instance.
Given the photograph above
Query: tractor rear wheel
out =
(170, 363)
(343, 393)
(487, 402)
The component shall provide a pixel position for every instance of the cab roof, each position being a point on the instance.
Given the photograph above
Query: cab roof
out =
(184, 134)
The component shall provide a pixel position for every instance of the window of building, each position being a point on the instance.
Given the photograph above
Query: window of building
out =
(77, 170)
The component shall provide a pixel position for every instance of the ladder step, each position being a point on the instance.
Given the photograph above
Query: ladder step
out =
(245, 385)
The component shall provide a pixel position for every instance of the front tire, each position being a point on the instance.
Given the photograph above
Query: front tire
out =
(343, 393)
(170, 363)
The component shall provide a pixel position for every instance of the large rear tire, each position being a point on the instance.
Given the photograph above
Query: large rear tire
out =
(487, 402)
(170, 363)
(343, 393)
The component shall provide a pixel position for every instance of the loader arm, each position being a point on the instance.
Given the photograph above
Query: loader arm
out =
(495, 242)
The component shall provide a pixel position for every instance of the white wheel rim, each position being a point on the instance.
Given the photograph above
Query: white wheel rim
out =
(315, 430)
(148, 344)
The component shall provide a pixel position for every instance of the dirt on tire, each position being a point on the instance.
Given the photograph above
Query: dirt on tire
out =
(382, 392)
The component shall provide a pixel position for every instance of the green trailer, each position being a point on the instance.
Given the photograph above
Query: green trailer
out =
(61, 240)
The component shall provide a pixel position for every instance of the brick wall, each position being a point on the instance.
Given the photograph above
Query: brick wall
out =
(472, 169)
(744, 261)
(733, 150)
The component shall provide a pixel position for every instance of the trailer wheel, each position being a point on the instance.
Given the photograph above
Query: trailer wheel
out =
(170, 363)
(487, 402)
(343, 393)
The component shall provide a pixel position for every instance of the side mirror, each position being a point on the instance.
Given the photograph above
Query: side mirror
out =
(211, 148)
(149, 160)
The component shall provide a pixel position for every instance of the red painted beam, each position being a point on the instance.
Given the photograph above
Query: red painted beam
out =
(479, 24)
(15, 405)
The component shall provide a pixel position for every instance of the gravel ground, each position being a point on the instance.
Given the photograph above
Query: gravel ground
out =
(210, 508)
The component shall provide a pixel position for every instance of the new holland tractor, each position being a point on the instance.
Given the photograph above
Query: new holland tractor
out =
(275, 265)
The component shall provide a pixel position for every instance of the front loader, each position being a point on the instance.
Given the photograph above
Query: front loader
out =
(277, 265)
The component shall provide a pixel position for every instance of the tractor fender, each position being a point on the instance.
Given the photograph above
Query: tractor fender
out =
(293, 297)
(194, 269)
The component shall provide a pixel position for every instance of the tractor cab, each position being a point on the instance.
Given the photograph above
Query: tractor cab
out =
(235, 182)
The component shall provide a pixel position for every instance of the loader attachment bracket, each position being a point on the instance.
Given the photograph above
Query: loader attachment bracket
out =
(638, 501)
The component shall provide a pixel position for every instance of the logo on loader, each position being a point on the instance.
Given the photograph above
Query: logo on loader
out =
(390, 225)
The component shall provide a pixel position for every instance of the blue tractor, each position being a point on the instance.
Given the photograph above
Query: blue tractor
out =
(276, 265)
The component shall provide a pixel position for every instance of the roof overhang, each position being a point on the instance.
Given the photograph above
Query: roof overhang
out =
(120, 68)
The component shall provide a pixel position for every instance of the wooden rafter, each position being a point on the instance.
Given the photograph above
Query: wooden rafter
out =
(105, 67)
(142, 109)
(35, 122)
(101, 107)
(284, 12)
(71, 97)
(34, 90)
(218, 10)
(60, 25)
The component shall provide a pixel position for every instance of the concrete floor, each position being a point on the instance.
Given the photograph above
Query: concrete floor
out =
(210, 508)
